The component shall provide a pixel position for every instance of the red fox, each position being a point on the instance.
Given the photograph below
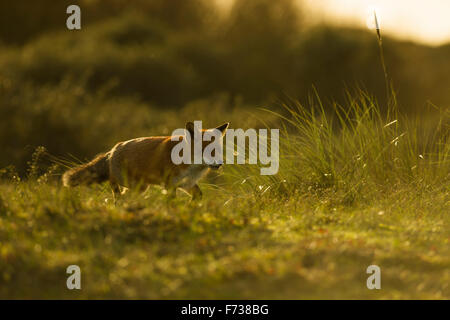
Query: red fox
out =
(144, 161)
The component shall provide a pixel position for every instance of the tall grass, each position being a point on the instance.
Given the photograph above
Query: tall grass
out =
(355, 151)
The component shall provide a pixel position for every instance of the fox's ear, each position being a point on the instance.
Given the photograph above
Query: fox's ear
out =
(190, 127)
(223, 128)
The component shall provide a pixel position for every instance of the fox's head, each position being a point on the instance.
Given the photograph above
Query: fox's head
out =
(207, 143)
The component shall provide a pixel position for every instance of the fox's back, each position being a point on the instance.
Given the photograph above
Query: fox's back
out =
(147, 159)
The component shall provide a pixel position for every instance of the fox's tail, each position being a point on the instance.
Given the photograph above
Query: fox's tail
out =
(95, 171)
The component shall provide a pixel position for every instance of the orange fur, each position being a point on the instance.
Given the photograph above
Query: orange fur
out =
(140, 162)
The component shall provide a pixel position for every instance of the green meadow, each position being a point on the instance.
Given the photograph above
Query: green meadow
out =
(364, 170)
(365, 193)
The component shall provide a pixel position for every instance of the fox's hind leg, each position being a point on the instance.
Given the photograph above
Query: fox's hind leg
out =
(116, 176)
(115, 190)
(116, 180)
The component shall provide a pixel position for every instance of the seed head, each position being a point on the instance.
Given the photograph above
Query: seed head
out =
(377, 26)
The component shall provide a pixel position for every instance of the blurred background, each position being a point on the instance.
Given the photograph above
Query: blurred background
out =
(145, 67)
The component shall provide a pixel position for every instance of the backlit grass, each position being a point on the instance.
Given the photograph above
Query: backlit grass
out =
(355, 188)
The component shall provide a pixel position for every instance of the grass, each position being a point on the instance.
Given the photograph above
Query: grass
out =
(355, 188)
(359, 183)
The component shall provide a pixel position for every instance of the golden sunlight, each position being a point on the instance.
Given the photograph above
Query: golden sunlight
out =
(410, 19)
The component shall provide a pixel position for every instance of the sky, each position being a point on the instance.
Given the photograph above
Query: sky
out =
(420, 20)
(426, 21)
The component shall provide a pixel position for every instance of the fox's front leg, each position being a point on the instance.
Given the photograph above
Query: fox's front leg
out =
(196, 192)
